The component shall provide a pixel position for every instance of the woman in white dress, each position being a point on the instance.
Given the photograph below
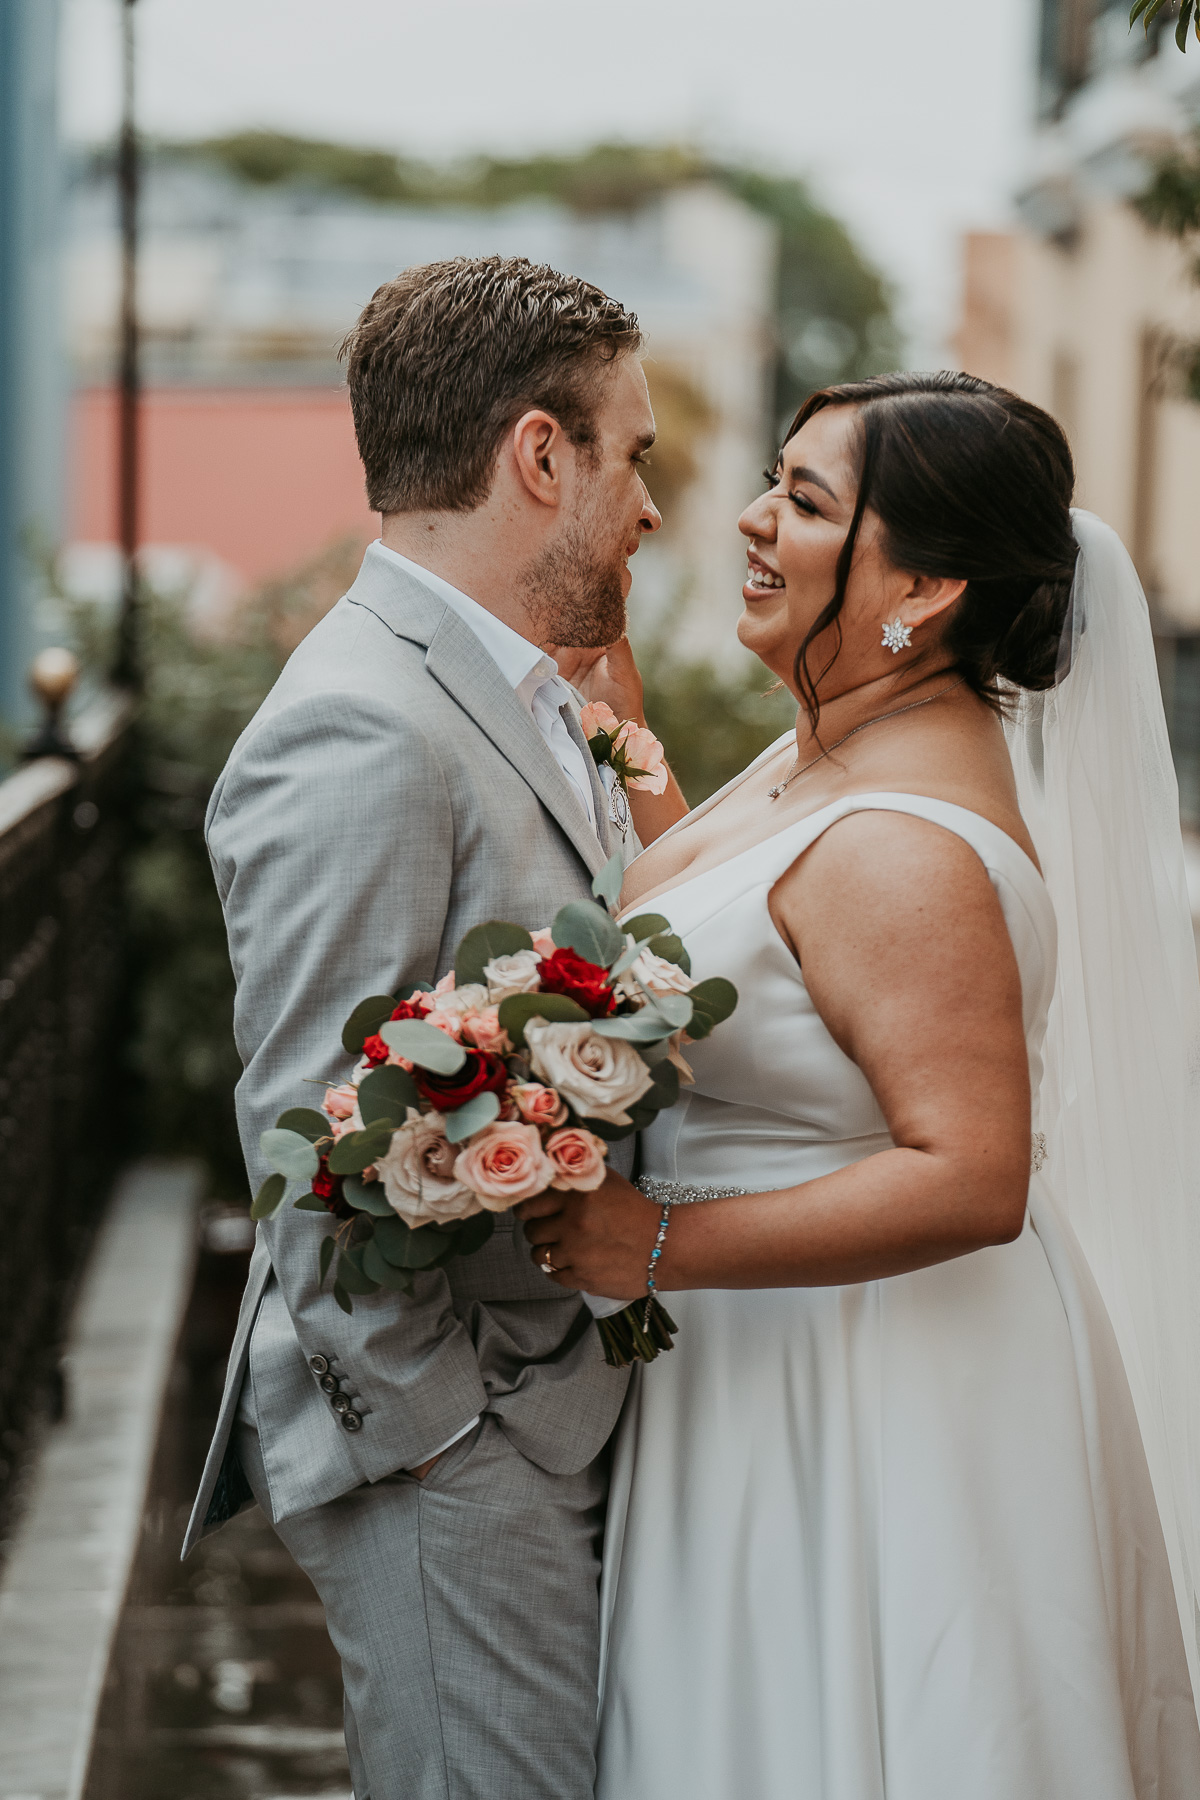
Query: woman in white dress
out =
(882, 1526)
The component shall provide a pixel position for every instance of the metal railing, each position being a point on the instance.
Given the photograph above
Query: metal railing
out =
(64, 825)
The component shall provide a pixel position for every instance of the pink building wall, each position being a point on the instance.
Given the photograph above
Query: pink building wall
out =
(262, 477)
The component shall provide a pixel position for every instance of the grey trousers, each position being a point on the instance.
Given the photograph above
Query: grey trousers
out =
(465, 1611)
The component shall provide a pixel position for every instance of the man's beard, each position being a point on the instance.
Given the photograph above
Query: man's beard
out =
(574, 592)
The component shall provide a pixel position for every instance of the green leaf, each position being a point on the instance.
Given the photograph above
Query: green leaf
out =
(675, 1008)
(366, 1019)
(612, 1134)
(325, 1257)
(268, 1197)
(465, 1120)
(351, 1276)
(382, 1272)
(342, 1297)
(290, 1153)
(483, 942)
(359, 1149)
(309, 1123)
(1184, 20)
(386, 1094)
(644, 1027)
(1138, 8)
(556, 1009)
(405, 1248)
(473, 1233)
(700, 1026)
(715, 997)
(309, 1203)
(665, 1091)
(607, 884)
(424, 1045)
(600, 744)
(366, 1197)
(669, 946)
(586, 929)
(647, 925)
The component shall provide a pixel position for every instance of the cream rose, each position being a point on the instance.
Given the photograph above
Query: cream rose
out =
(600, 1076)
(515, 974)
(655, 973)
(578, 1158)
(457, 1001)
(418, 1174)
(538, 1105)
(505, 1163)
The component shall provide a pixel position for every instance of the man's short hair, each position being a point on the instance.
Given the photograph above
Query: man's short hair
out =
(445, 358)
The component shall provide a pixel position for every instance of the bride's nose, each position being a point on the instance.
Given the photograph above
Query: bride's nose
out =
(758, 521)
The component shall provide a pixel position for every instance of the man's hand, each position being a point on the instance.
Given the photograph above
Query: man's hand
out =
(599, 1242)
(422, 1469)
(609, 674)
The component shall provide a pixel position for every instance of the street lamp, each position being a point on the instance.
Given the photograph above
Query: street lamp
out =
(127, 668)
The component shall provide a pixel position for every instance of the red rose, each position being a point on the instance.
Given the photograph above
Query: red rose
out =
(375, 1050)
(328, 1188)
(481, 1073)
(408, 1009)
(585, 982)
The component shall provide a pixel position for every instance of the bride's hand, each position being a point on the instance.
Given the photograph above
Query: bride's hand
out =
(609, 674)
(599, 1243)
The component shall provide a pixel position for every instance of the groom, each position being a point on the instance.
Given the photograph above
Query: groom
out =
(435, 1464)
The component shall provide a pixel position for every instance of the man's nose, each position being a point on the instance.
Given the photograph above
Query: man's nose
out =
(651, 518)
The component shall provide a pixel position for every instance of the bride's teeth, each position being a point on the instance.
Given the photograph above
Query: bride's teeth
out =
(763, 578)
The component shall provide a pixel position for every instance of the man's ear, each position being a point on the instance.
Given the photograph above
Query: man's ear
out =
(538, 446)
(927, 596)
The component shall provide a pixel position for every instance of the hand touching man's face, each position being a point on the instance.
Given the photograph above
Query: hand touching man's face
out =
(577, 585)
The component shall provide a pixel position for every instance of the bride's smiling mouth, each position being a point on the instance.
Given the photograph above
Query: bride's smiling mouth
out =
(760, 579)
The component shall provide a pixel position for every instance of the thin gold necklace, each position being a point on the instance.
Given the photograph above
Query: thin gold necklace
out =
(774, 793)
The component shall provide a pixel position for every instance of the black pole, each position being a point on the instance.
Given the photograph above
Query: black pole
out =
(127, 669)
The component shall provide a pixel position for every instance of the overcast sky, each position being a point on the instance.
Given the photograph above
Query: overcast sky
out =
(907, 115)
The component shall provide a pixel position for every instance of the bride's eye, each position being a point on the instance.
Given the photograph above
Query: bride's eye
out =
(803, 505)
(771, 477)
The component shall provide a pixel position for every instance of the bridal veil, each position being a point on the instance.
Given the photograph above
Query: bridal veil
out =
(1120, 1100)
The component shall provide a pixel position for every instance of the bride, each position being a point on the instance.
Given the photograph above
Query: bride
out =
(883, 1526)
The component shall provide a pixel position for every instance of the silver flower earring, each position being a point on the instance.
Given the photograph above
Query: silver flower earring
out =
(897, 636)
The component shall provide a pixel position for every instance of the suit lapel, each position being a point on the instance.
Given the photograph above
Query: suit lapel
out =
(459, 663)
(570, 719)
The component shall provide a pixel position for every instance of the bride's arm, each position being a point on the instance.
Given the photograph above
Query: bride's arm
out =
(908, 960)
(612, 675)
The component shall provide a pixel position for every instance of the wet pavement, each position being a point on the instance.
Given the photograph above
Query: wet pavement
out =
(223, 1683)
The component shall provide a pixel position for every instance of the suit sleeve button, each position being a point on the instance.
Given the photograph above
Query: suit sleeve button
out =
(319, 1365)
(340, 1403)
(351, 1420)
(329, 1384)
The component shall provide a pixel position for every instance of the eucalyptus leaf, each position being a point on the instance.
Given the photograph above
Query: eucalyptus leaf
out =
(366, 1019)
(306, 1120)
(367, 1197)
(555, 1009)
(309, 1203)
(342, 1297)
(484, 942)
(465, 1120)
(675, 1008)
(603, 1128)
(647, 925)
(405, 1248)
(268, 1197)
(588, 930)
(669, 945)
(665, 1091)
(386, 1094)
(290, 1153)
(630, 957)
(473, 1233)
(607, 884)
(378, 1270)
(328, 1245)
(359, 1149)
(351, 1275)
(716, 997)
(645, 1027)
(424, 1045)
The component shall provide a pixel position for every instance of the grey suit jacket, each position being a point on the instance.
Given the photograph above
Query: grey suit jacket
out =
(390, 793)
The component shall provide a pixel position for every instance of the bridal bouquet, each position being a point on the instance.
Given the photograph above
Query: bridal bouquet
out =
(510, 1076)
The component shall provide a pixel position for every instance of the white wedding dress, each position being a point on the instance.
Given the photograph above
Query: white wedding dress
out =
(895, 1541)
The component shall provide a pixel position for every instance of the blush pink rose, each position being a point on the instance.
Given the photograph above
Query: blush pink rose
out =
(543, 943)
(450, 1023)
(484, 1030)
(578, 1158)
(504, 1163)
(596, 716)
(643, 750)
(340, 1102)
(539, 1105)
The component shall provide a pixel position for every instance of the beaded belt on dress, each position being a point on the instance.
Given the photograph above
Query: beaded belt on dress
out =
(682, 1193)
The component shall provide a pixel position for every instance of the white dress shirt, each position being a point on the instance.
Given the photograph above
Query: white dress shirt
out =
(532, 675)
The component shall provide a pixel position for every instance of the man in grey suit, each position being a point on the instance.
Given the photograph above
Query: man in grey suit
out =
(436, 1463)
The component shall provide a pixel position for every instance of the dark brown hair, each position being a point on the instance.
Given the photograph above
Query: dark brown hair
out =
(967, 480)
(447, 356)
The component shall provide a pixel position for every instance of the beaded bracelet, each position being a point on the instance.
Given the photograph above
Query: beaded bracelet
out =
(660, 1240)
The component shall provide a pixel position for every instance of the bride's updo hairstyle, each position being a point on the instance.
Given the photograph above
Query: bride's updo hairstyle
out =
(967, 480)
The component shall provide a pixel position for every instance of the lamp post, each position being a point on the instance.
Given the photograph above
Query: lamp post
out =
(127, 669)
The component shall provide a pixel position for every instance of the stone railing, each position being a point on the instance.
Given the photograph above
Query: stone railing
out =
(64, 826)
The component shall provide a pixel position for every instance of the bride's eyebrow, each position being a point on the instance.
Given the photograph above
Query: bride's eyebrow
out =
(803, 473)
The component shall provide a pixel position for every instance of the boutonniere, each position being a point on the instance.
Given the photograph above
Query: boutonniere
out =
(631, 751)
